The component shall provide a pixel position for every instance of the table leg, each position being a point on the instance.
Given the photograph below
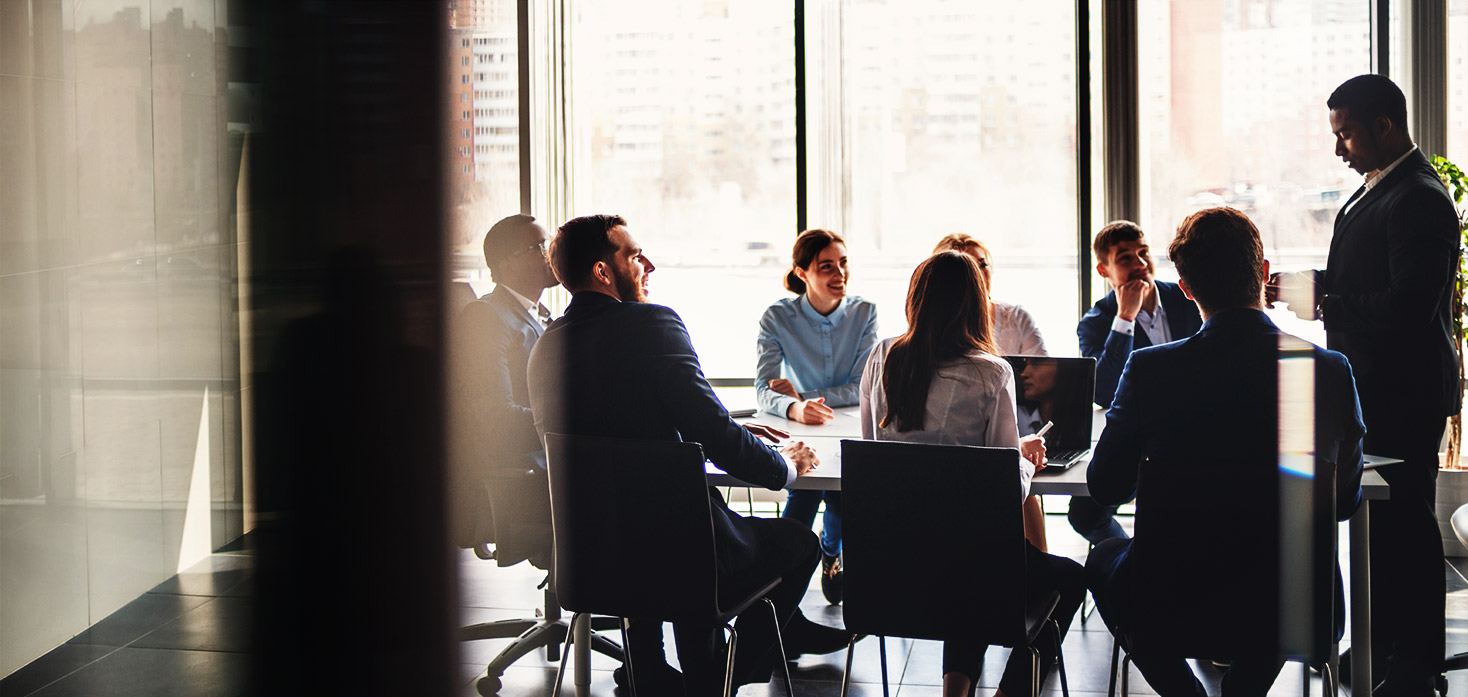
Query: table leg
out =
(581, 634)
(1361, 600)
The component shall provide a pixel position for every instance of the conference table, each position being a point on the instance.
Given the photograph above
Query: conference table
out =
(846, 424)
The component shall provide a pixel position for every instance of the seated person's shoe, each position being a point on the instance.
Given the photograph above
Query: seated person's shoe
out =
(832, 578)
(803, 636)
(658, 679)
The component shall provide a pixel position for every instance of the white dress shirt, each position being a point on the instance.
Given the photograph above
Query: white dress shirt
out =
(971, 402)
(535, 309)
(1153, 323)
(1372, 179)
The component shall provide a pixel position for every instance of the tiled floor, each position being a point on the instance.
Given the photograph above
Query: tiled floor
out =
(189, 636)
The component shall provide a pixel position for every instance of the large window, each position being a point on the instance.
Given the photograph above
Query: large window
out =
(1233, 113)
(1458, 82)
(683, 121)
(936, 117)
(482, 141)
(923, 119)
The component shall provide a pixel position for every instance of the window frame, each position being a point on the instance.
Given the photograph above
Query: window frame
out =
(544, 118)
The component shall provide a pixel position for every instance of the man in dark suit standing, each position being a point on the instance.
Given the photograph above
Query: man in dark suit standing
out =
(1385, 299)
(1214, 395)
(494, 431)
(617, 366)
(1138, 312)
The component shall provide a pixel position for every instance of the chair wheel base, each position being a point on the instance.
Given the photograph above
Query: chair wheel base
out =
(488, 686)
(1442, 684)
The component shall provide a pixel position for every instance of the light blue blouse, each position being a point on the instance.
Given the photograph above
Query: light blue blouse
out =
(822, 355)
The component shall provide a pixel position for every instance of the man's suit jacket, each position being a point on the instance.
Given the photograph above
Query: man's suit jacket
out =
(494, 449)
(497, 335)
(628, 370)
(1110, 349)
(1387, 295)
(1214, 397)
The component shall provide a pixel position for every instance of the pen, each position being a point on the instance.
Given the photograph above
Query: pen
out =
(1045, 428)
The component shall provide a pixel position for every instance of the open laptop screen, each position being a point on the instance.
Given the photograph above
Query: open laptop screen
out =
(1048, 388)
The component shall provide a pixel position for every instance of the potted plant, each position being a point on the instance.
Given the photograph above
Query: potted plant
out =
(1452, 480)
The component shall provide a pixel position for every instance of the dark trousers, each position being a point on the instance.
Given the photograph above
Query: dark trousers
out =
(1043, 573)
(1093, 521)
(1109, 576)
(788, 551)
(1408, 614)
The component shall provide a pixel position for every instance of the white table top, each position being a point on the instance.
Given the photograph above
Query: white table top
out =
(827, 477)
(846, 424)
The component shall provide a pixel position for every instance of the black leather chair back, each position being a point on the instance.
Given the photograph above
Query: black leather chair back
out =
(633, 532)
(933, 541)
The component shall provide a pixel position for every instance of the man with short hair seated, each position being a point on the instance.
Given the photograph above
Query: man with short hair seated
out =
(1212, 395)
(617, 366)
(1138, 312)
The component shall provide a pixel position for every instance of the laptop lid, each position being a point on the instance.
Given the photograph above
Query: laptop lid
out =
(1051, 388)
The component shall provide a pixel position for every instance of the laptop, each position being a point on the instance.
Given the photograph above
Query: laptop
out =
(1060, 390)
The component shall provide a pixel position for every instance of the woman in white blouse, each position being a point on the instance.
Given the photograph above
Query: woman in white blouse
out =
(941, 382)
(1015, 334)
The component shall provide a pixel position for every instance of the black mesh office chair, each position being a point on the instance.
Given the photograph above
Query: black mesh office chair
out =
(513, 515)
(1207, 574)
(934, 544)
(634, 538)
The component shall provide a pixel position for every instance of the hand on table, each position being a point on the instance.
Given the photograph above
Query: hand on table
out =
(802, 456)
(1032, 448)
(1129, 298)
(784, 387)
(769, 433)
(810, 411)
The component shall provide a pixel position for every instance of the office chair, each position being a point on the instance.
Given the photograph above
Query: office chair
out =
(1207, 577)
(514, 516)
(906, 507)
(1459, 522)
(634, 538)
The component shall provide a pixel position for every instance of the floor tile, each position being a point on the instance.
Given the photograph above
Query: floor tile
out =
(220, 624)
(538, 682)
(211, 577)
(133, 620)
(55, 665)
(138, 672)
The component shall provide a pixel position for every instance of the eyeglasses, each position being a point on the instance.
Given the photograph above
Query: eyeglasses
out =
(540, 246)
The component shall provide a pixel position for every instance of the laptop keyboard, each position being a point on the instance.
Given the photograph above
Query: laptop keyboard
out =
(1066, 457)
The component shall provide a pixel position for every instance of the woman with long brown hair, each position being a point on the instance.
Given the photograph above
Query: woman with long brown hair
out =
(942, 383)
(1015, 334)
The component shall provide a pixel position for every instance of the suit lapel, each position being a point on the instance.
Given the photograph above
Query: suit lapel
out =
(1344, 219)
(512, 307)
(1340, 215)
